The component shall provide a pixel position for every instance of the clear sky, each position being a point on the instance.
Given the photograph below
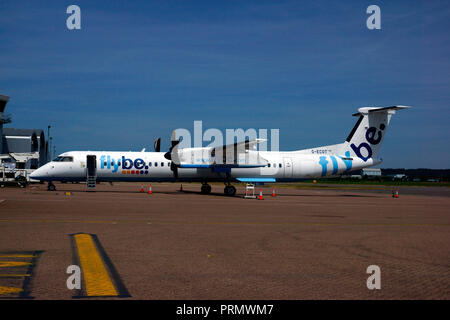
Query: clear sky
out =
(138, 69)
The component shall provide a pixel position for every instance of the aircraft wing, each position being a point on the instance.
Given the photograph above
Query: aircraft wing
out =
(240, 154)
(234, 153)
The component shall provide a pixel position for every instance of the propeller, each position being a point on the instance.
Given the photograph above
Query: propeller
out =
(173, 157)
(157, 145)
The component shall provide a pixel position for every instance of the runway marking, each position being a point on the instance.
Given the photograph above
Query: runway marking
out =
(17, 256)
(6, 264)
(9, 290)
(96, 277)
(19, 273)
(99, 275)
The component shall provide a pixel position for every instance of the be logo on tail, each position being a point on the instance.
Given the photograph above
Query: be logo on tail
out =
(373, 137)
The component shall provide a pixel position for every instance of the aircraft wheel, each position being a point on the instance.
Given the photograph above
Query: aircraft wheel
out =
(230, 191)
(206, 189)
(51, 187)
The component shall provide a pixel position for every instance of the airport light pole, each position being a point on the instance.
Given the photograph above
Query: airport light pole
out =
(49, 146)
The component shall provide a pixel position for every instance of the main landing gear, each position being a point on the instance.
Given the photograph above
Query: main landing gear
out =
(51, 187)
(206, 188)
(229, 190)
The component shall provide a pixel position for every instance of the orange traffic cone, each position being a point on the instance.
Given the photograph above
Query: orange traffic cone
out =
(273, 192)
(396, 193)
(260, 195)
(142, 188)
(150, 189)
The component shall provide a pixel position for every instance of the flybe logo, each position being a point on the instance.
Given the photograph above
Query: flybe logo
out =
(324, 163)
(128, 166)
(373, 136)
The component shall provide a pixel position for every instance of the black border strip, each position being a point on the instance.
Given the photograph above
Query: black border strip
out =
(350, 136)
(26, 291)
(81, 293)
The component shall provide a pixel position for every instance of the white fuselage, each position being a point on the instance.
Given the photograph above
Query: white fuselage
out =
(359, 150)
(153, 166)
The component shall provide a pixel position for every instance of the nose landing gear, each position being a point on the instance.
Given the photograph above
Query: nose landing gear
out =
(51, 187)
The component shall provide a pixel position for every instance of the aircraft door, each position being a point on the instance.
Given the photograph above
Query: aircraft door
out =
(287, 167)
(91, 165)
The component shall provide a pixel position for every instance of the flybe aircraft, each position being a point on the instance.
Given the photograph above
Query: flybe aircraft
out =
(239, 162)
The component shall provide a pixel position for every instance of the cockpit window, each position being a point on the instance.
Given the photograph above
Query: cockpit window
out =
(63, 159)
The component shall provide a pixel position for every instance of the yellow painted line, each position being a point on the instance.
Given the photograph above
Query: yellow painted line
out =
(8, 290)
(15, 275)
(17, 256)
(14, 264)
(96, 278)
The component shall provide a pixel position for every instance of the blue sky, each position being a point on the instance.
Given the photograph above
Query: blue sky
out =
(138, 69)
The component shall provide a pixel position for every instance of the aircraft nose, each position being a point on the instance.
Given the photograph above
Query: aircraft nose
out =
(39, 173)
(36, 173)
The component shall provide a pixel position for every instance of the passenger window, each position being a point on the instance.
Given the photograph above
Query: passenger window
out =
(268, 165)
(156, 164)
(149, 164)
(162, 164)
(104, 164)
(279, 165)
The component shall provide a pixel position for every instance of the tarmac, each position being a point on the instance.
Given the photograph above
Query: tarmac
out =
(305, 243)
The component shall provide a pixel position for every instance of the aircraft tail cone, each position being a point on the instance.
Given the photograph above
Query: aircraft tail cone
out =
(260, 195)
(150, 189)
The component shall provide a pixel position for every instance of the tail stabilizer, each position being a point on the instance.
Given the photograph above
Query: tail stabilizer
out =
(364, 141)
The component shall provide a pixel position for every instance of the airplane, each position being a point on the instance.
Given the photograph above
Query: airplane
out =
(239, 162)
